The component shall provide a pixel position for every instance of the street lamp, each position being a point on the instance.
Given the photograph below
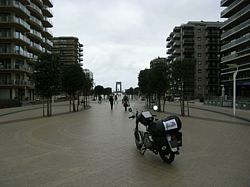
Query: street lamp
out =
(234, 84)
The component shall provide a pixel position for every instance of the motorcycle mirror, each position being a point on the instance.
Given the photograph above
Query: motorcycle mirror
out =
(155, 107)
(130, 110)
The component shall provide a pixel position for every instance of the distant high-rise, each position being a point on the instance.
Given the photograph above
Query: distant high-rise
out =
(156, 61)
(69, 49)
(24, 34)
(198, 41)
(235, 48)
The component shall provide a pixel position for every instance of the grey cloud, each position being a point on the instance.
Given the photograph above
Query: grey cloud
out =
(120, 37)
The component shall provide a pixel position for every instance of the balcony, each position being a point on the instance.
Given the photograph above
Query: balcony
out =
(18, 68)
(16, 82)
(15, 22)
(36, 23)
(236, 43)
(213, 42)
(47, 43)
(48, 3)
(177, 35)
(14, 52)
(47, 12)
(226, 2)
(188, 41)
(238, 30)
(188, 50)
(238, 17)
(35, 48)
(233, 8)
(177, 52)
(35, 10)
(47, 33)
(47, 23)
(212, 50)
(19, 38)
(38, 2)
(176, 43)
(243, 55)
(14, 6)
(188, 33)
(35, 35)
(213, 34)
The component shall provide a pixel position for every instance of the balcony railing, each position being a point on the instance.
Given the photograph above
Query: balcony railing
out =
(235, 55)
(230, 7)
(235, 29)
(236, 16)
(15, 82)
(36, 8)
(236, 42)
(15, 51)
(16, 68)
(47, 11)
(14, 19)
(37, 21)
(36, 33)
(16, 4)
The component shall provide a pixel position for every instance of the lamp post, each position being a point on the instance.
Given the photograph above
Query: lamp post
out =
(234, 85)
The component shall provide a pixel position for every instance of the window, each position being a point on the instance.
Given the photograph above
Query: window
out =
(199, 46)
(199, 70)
(4, 32)
(199, 54)
(199, 38)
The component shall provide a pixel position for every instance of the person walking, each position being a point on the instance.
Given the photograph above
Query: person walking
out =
(116, 101)
(125, 102)
(99, 99)
(111, 101)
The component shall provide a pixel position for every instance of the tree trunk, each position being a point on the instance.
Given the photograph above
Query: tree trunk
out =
(43, 108)
(74, 106)
(159, 102)
(47, 106)
(164, 102)
(70, 103)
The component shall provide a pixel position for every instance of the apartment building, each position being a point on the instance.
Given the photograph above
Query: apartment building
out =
(198, 41)
(69, 49)
(156, 61)
(235, 49)
(24, 34)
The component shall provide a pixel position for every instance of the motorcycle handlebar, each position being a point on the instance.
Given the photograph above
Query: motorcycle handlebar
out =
(131, 117)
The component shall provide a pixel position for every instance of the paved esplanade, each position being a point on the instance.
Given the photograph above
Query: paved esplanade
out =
(95, 147)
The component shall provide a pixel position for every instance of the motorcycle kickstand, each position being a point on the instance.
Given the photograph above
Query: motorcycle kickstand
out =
(143, 150)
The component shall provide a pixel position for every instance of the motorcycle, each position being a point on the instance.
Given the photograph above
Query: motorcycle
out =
(162, 136)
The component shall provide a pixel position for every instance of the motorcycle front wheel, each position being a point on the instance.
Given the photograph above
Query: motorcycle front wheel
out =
(137, 140)
(167, 157)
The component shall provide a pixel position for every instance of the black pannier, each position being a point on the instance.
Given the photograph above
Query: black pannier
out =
(146, 118)
(167, 125)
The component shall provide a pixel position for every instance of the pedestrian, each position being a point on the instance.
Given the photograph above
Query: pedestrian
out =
(99, 99)
(111, 101)
(125, 102)
(116, 101)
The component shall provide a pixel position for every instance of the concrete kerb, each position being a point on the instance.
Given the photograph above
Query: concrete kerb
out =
(242, 116)
(33, 112)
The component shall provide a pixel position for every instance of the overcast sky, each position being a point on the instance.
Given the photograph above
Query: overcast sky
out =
(121, 37)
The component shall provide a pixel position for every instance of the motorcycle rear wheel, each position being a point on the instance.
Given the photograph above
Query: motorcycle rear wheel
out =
(167, 157)
(137, 140)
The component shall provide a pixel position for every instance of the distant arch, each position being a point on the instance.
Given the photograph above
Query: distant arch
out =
(118, 87)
